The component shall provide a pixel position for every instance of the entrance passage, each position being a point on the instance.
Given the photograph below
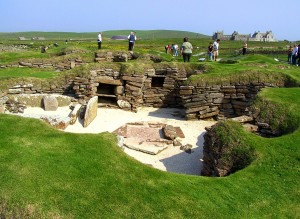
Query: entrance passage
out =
(106, 95)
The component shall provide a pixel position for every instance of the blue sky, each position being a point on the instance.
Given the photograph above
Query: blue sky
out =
(198, 16)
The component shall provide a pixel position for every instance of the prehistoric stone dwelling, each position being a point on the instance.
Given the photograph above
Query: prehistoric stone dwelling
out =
(120, 84)
(257, 36)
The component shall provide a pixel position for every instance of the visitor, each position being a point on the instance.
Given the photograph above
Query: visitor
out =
(290, 51)
(175, 49)
(167, 48)
(99, 40)
(216, 49)
(245, 48)
(298, 56)
(131, 40)
(186, 50)
(294, 54)
(210, 49)
(44, 49)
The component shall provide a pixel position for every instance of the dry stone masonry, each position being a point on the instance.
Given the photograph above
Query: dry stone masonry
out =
(156, 87)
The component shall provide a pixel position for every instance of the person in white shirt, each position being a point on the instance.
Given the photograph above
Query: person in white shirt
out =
(131, 40)
(216, 49)
(99, 40)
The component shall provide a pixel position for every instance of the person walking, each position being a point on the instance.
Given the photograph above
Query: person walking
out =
(131, 40)
(216, 49)
(175, 49)
(210, 49)
(99, 40)
(186, 50)
(245, 48)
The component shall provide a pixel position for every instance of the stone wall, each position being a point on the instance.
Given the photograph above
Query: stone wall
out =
(41, 88)
(60, 65)
(120, 56)
(156, 87)
(224, 101)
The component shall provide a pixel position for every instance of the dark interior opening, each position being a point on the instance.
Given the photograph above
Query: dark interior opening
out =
(106, 95)
(106, 89)
(107, 101)
(157, 81)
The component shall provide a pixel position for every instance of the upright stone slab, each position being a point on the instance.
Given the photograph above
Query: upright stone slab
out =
(91, 111)
(74, 114)
(50, 103)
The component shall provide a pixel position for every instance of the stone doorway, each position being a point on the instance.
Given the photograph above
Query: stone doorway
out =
(157, 81)
(107, 95)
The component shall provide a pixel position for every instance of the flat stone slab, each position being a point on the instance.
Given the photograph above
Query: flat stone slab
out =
(145, 137)
(143, 132)
(149, 147)
(242, 119)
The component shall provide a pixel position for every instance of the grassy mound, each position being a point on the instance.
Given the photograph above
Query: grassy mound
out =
(226, 150)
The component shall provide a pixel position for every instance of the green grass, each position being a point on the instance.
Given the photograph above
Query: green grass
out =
(7, 73)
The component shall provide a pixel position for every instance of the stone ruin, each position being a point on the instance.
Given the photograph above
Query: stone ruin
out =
(158, 86)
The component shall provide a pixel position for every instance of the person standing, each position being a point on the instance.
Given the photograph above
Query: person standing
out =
(131, 39)
(175, 49)
(216, 49)
(167, 48)
(210, 49)
(245, 48)
(298, 55)
(186, 50)
(99, 40)
(294, 54)
(290, 51)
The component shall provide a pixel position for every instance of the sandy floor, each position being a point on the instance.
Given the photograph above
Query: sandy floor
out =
(172, 159)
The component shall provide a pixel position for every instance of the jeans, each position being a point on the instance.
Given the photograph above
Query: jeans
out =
(175, 52)
(210, 55)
